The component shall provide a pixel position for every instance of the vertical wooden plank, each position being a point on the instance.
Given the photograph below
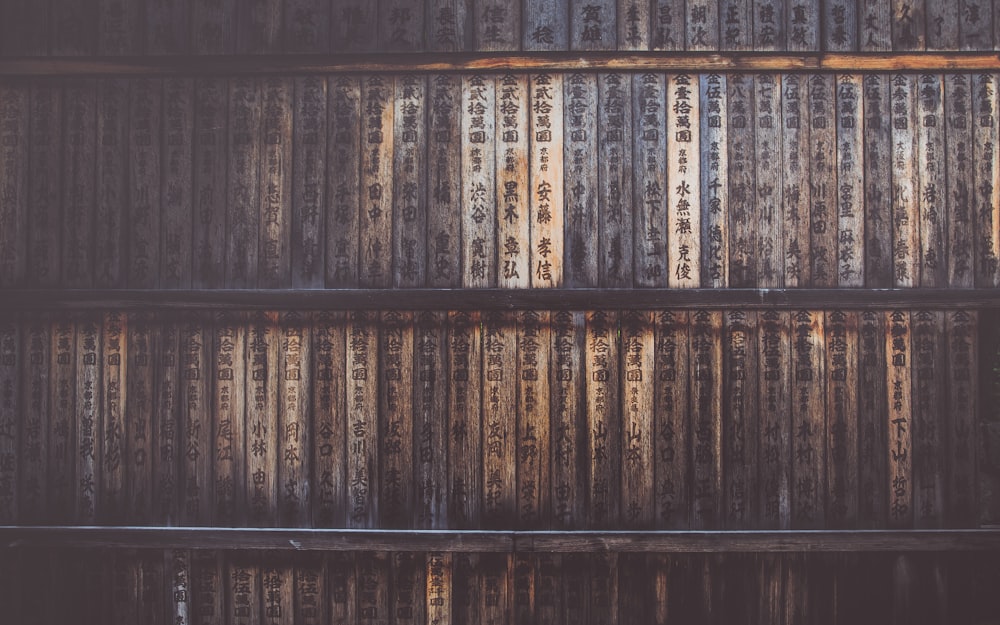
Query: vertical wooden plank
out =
(177, 199)
(208, 264)
(908, 25)
(823, 239)
(395, 421)
(196, 433)
(592, 25)
(467, 589)
(10, 408)
(740, 419)
(713, 94)
(344, 190)
(804, 18)
(145, 103)
(127, 587)
(546, 207)
(213, 30)
(667, 17)
(114, 372)
(242, 183)
(259, 27)
(207, 587)
(943, 25)
(373, 588)
(900, 418)
(840, 25)
(361, 391)
(62, 421)
(614, 177)
(165, 431)
(277, 585)
(986, 181)
(928, 427)
(465, 419)
(497, 25)
(25, 25)
(274, 255)
(743, 234)
(879, 259)
(960, 173)
(14, 183)
(874, 25)
(499, 420)
(444, 181)
(735, 24)
(603, 588)
(430, 421)
(343, 588)
(295, 487)
(548, 588)
(603, 419)
(568, 413)
(261, 474)
(962, 356)
(497, 591)
(438, 591)
(770, 182)
(872, 427)
(306, 26)
(72, 27)
(353, 26)
(774, 366)
(137, 419)
(580, 157)
(44, 183)
(638, 434)
(706, 419)
(178, 585)
(975, 25)
(933, 189)
(401, 25)
(151, 599)
(808, 420)
(841, 369)
(684, 182)
(650, 183)
(850, 182)
(89, 426)
(522, 574)
(702, 26)
(634, 23)
(243, 591)
(328, 421)
(376, 182)
(79, 134)
(479, 245)
(770, 24)
(311, 605)
(407, 595)
(110, 252)
(795, 150)
(448, 26)
(229, 422)
(533, 438)
(410, 242)
(546, 24)
(671, 409)
(167, 27)
(34, 412)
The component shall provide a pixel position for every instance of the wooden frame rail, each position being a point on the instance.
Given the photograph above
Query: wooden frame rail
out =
(500, 541)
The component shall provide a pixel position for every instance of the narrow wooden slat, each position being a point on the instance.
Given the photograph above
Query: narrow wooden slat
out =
(242, 597)
(774, 367)
(444, 181)
(430, 421)
(165, 425)
(933, 195)
(566, 406)
(213, 29)
(177, 578)
(114, 400)
(353, 26)
(372, 588)
(928, 434)
(842, 424)
(259, 27)
(874, 28)
(533, 432)
(34, 412)
(601, 373)
(277, 582)
(909, 23)
(44, 190)
(649, 180)
(634, 23)
(10, 409)
(111, 183)
(713, 95)
(808, 421)
(167, 28)
(899, 359)
(401, 25)
(546, 24)
(14, 150)
(306, 26)
(395, 433)
(407, 595)
(840, 25)
(229, 354)
(637, 354)
(522, 598)
(409, 175)
(879, 259)
(740, 420)
(196, 439)
(497, 25)
(795, 156)
(823, 180)
(207, 587)
(683, 143)
(275, 218)
(479, 243)
(770, 180)
(328, 435)
(78, 206)
(311, 592)
(702, 25)
(667, 17)
(176, 184)
(310, 202)
(144, 176)
(986, 181)
(261, 454)
(580, 158)
(344, 190)
(804, 20)
(62, 420)
(295, 379)
(548, 588)
(975, 23)
(873, 501)
(242, 184)
(962, 394)
(361, 371)
(735, 24)
(593, 25)
(672, 427)
(211, 117)
(512, 190)
(614, 175)
(466, 589)
(943, 25)
(905, 181)
(744, 248)
(850, 206)
(438, 592)
(545, 163)
(706, 419)
(465, 420)
(449, 25)
(499, 396)
(89, 425)
(960, 203)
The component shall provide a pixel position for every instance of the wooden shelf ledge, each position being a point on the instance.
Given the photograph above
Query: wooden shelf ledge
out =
(499, 541)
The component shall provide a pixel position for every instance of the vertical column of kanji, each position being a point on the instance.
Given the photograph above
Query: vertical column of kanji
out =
(943, 25)
(213, 26)
(803, 18)
(873, 496)
(650, 180)
(211, 113)
(795, 150)
(343, 181)
(62, 422)
(165, 482)
(500, 407)
(634, 23)
(89, 426)
(328, 421)
(479, 214)
(522, 575)
(243, 597)
(774, 363)
(110, 186)
(444, 181)
(593, 25)
(242, 201)
(353, 25)
(207, 587)
(706, 419)
(145, 101)
(196, 439)
(739, 434)
(497, 26)
(409, 167)
(702, 25)
(714, 166)
(850, 182)
(671, 409)
(735, 24)
(808, 421)
(569, 490)
(310, 201)
(137, 418)
(770, 24)
(306, 26)
(395, 442)
(362, 395)
(908, 25)
(905, 182)
(603, 419)
(114, 371)
(900, 418)
(177, 578)
(343, 587)
(743, 235)
(683, 182)
(407, 596)
(933, 187)
(377, 186)
(14, 109)
(874, 25)
(295, 488)
(962, 347)
(770, 181)
(580, 156)
(311, 593)
(373, 588)
(545, 24)
(274, 236)
(928, 426)
(986, 178)
(260, 476)
(177, 177)
(448, 25)
(975, 25)
(277, 580)
(401, 25)
(840, 23)
(78, 227)
(229, 423)
(960, 173)
(533, 439)
(258, 27)
(667, 25)
(546, 207)
(822, 180)
(878, 149)
(10, 410)
(614, 176)
(44, 183)
(438, 592)
(637, 396)
(430, 421)
(841, 368)
(167, 27)
(465, 421)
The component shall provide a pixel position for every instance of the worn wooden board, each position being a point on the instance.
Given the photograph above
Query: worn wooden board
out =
(713, 96)
(213, 28)
(873, 483)
(960, 409)
(465, 433)
(353, 26)
(580, 158)
(466, 589)
(735, 24)
(499, 421)
(929, 454)
(879, 259)
(808, 420)
(909, 23)
(601, 372)
(377, 189)
(479, 245)
(229, 355)
(144, 176)
(943, 25)
(44, 185)
(89, 425)
(306, 26)
(438, 595)
(343, 191)
(823, 176)
(593, 25)
(444, 181)
(196, 443)
(328, 425)
(545, 164)
(634, 24)
(874, 25)
(567, 409)
(278, 590)
(523, 581)
(259, 27)
(702, 26)
(683, 181)
(795, 150)
(842, 390)
(959, 171)
(242, 183)
(986, 181)
(407, 594)
(114, 398)
(409, 167)
(448, 26)
(177, 575)
(262, 454)
(14, 115)
(34, 417)
(840, 25)
(208, 178)
(804, 19)
(975, 25)
(242, 597)
(545, 24)
(78, 225)
(176, 182)
(770, 181)
(361, 390)
(672, 428)
(373, 588)
(900, 417)
(310, 202)
(706, 419)
(10, 409)
(744, 246)
(650, 180)
(208, 586)
(395, 419)
(932, 172)
(614, 175)
(850, 206)
(770, 24)
(637, 351)
(740, 419)
(533, 433)
(310, 587)
(905, 182)
(430, 421)
(497, 26)
(110, 185)
(668, 21)
(275, 202)
(62, 420)
(775, 397)
(295, 485)
(401, 25)
(165, 428)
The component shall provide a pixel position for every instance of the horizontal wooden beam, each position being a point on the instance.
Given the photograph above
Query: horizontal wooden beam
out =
(491, 62)
(476, 541)
(495, 299)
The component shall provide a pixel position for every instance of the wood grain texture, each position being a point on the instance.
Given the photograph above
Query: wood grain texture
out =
(306, 26)
(259, 27)
(929, 453)
(714, 165)
(328, 482)
(744, 247)
(879, 213)
(649, 179)
(311, 203)
(401, 25)
(706, 420)
(735, 24)
(634, 24)
(14, 126)
(430, 420)
(395, 433)
(177, 218)
(465, 419)
(808, 420)
(77, 202)
(905, 182)
(361, 387)
(377, 186)
(165, 427)
(932, 172)
(344, 190)
(740, 420)
(209, 190)
(111, 184)
(840, 25)
(962, 394)
(683, 181)
(593, 25)
(497, 25)
(260, 476)
(546, 208)
(823, 180)
(795, 192)
(35, 420)
(243, 183)
(804, 20)
(229, 354)
(668, 22)
(546, 24)
(213, 28)
(196, 439)
(601, 369)
(499, 421)
(409, 227)
(580, 161)
(479, 242)
(167, 27)
(637, 351)
(987, 179)
(909, 23)
(295, 491)
(44, 190)
(770, 180)
(614, 175)
(900, 416)
(449, 25)
(62, 420)
(873, 502)
(975, 22)
(566, 405)
(144, 176)
(875, 25)
(851, 235)
(10, 361)
(672, 426)
(943, 25)
(960, 174)
(353, 26)
(533, 430)
(702, 26)
(775, 398)
(275, 201)
(444, 181)
(842, 390)
(89, 424)
(114, 401)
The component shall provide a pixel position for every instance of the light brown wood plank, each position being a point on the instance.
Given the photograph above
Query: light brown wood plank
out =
(614, 174)
(879, 259)
(177, 575)
(823, 176)
(395, 433)
(567, 409)
(842, 390)
(409, 175)
(344, 190)
(430, 421)
(499, 420)
(262, 454)
(533, 435)
(899, 359)
(242, 184)
(714, 165)
(649, 180)
(580, 158)
(905, 182)
(328, 482)
(196, 443)
(229, 354)
(634, 23)
(743, 235)
(932, 199)
(465, 420)
(962, 352)
(165, 430)
(683, 181)
(89, 426)
(438, 593)
(295, 380)
(808, 420)
(770, 181)
(673, 429)
(444, 181)
(546, 207)
(795, 153)
(638, 429)
(774, 366)
(986, 181)
(851, 160)
(512, 193)
(960, 173)
(377, 187)
(593, 25)
(479, 242)
(361, 372)
(706, 419)
(601, 371)
(114, 398)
